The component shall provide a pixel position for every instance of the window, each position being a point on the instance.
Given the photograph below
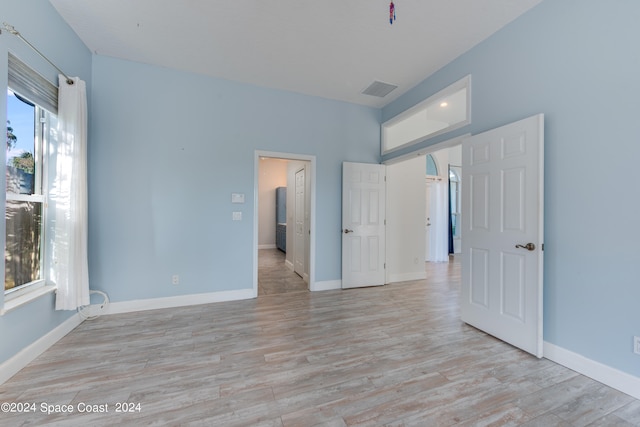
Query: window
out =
(28, 127)
(432, 169)
(26, 124)
(445, 111)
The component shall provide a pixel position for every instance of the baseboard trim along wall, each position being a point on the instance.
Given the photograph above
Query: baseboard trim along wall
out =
(405, 277)
(178, 301)
(25, 356)
(327, 285)
(267, 246)
(288, 264)
(607, 375)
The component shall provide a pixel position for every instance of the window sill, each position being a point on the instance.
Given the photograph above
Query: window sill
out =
(26, 298)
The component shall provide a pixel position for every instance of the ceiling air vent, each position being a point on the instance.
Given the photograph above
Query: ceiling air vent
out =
(379, 89)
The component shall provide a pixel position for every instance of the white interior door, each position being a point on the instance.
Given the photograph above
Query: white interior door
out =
(427, 224)
(299, 240)
(363, 225)
(502, 224)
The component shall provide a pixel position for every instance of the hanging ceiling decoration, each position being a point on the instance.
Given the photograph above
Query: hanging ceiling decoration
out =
(392, 13)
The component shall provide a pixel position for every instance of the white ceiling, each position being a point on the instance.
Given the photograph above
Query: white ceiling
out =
(328, 48)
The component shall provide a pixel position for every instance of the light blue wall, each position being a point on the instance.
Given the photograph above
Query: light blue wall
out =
(578, 62)
(39, 23)
(167, 150)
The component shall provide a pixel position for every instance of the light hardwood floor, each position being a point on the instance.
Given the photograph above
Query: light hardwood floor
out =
(273, 275)
(395, 355)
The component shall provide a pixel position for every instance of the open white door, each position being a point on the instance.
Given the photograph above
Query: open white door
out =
(502, 225)
(299, 214)
(363, 229)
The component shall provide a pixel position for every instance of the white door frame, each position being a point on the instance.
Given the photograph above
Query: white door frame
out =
(312, 217)
(422, 152)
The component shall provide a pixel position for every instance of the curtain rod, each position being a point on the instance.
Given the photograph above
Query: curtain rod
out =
(15, 32)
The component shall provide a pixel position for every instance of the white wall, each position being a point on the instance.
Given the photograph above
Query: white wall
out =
(406, 209)
(455, 155)
(273, 174)
(406, 203)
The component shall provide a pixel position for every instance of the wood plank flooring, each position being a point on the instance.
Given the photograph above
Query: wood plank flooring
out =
(274, 277)
(395, 355)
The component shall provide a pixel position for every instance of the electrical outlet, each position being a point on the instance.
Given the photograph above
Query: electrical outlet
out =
(175, 279)
(636, 345)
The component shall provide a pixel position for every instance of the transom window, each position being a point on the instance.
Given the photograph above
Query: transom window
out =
(445, 111)
(432, 169)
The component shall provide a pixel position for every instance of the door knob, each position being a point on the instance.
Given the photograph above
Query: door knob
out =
(347, 231)
(528, 246)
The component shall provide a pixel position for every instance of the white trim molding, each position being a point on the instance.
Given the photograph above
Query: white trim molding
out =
(288, 264)
(312, 220)
(178, 301)
(28, 354)
(405, 277)
(33, 292)
(268, 246)
(20, 360)
(326, 285)
(607, 375)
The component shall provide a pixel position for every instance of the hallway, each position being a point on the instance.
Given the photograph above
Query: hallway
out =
(273, 275)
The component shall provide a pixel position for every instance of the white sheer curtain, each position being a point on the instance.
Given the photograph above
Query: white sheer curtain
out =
(439, 233)
(68, 198)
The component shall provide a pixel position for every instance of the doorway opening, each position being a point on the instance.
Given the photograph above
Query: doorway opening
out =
(422, 210)
(443, 201)
(283, 223)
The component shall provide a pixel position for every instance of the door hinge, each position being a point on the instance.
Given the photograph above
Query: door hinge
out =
(384, 265)
(543, 246)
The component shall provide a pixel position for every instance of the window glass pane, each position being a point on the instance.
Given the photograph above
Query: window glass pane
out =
(444, 111)
(432, 169)
(20, 146)
(23, 214)
(22, 250)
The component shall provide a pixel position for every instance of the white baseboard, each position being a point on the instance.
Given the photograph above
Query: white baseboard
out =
(270, 246)
(326, 285)
(405, 277)
(25, 356)
(12, 366)
(178, 301)
(607, 375)
(288, 264)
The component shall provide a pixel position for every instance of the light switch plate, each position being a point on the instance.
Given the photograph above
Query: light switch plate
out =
(237, 216)
(237, 198)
